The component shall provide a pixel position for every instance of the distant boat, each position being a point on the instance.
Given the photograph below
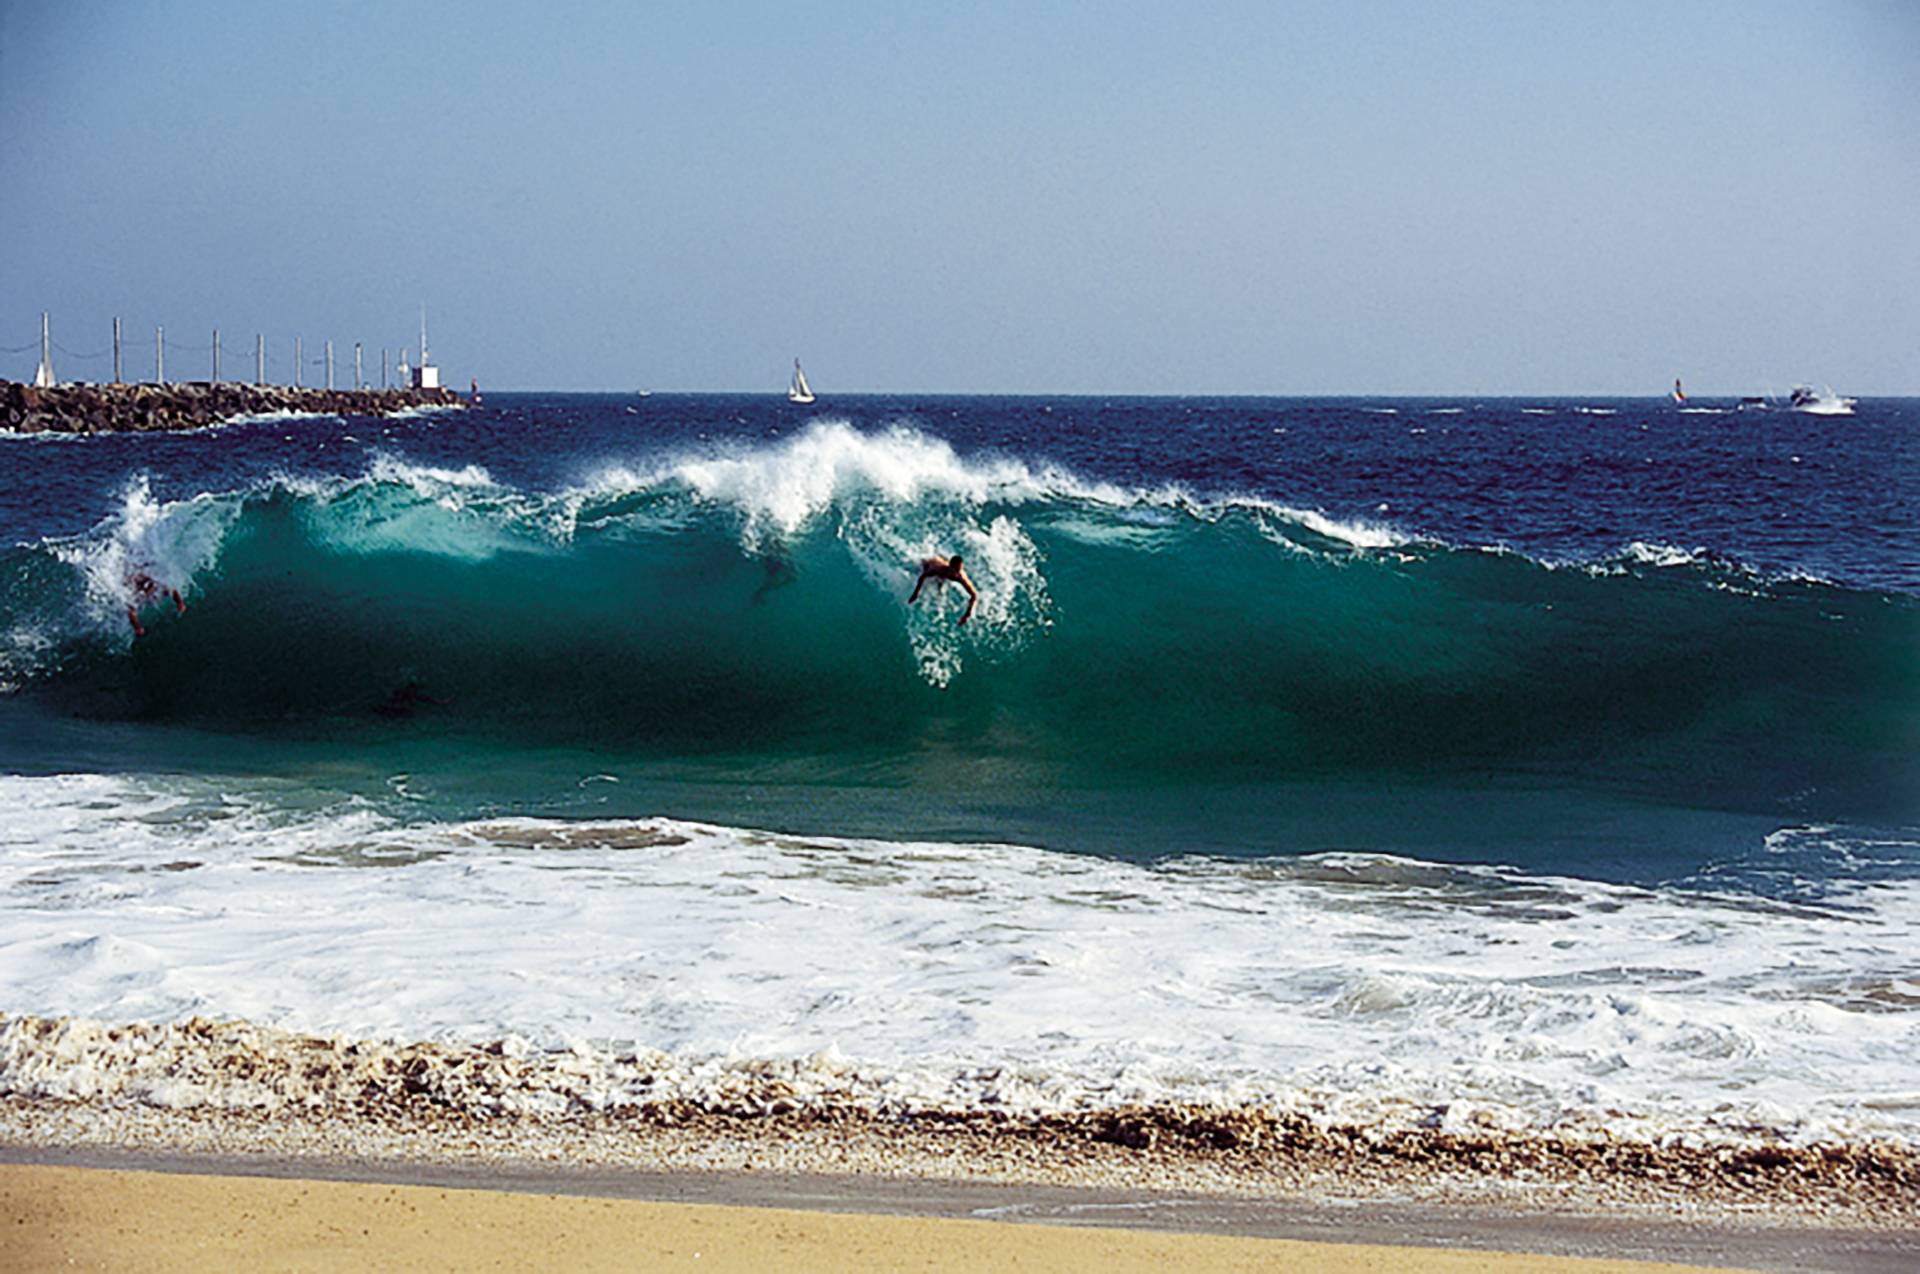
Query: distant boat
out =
(799, 391)
(1751, 402)
(1679, 394)
(643, 393)
(1821, 402)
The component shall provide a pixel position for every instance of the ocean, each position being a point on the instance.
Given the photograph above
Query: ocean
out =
(1548, 763)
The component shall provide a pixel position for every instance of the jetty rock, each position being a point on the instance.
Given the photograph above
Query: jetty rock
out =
(85, 408)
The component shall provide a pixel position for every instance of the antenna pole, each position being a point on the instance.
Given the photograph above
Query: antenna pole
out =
(216, 356)
(160, 355)
(296, 362)
(116, 349)
(259, 359)
(329, 366)
(358, 383)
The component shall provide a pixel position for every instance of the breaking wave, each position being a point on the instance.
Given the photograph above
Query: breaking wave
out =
(755, 598)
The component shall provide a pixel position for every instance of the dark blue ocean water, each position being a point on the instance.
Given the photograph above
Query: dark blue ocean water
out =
(1607, 637)
(1783, 492)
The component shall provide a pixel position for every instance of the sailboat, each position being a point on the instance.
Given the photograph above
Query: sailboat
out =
(799, 391)
(1679, 394)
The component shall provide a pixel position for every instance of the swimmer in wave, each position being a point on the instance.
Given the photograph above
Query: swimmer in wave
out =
(146, 591)
(946, 570)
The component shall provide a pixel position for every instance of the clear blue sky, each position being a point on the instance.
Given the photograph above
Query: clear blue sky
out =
(1026, 197)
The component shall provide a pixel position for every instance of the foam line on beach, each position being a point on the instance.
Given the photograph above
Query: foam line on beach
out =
(233, 1086)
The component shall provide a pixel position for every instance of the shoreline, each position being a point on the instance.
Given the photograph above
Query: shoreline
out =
(198, 1092)
(187, 1216)
(139, 408)
(912, 1155)
(1316, 1229)
(236, 1086)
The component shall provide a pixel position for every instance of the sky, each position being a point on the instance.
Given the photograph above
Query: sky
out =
(1267, 198)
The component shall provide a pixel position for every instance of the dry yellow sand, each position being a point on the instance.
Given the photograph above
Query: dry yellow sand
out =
(89, 1218)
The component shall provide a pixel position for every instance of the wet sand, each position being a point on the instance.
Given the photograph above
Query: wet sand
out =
(172, 1221)
(837, 1174)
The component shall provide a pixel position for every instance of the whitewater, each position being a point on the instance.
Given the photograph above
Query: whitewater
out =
(1378, 780)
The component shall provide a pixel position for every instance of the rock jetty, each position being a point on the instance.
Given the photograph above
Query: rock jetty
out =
(89, 409)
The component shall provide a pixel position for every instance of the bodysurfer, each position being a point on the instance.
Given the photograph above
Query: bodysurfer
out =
(780, 573)
(406, 701)
(145, 591)
(946, 570)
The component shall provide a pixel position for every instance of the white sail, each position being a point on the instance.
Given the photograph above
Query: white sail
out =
(799, 391)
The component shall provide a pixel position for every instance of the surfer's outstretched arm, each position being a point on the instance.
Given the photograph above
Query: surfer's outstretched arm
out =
(973, 596)
(918, 585)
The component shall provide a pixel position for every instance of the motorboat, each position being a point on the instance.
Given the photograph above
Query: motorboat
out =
(1819, 402)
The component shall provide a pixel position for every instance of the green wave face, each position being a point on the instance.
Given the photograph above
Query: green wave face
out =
(1119, 641)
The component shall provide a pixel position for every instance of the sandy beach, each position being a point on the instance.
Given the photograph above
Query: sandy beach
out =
(166, 1221)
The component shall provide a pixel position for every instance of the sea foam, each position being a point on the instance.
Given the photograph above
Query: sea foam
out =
(974, 976)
